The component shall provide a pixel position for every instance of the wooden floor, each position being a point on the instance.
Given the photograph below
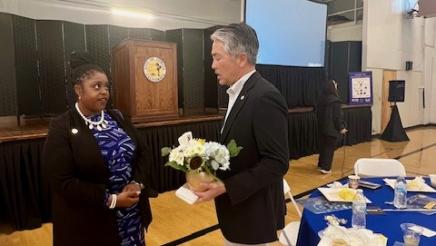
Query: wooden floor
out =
(174, 219)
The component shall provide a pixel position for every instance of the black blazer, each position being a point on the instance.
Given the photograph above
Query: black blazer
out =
(253, 208)
(329, 116)
(78, 176)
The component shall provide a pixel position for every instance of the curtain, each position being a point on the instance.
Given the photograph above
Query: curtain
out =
(24, 197)
(299, 85)
(302, 129)
(359, 124)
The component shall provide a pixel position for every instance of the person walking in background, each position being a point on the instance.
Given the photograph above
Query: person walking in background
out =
(249, 201)
(330, 124)
(97, 168)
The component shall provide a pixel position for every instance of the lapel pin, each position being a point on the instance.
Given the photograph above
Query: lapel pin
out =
(74, 131)
(242, 97)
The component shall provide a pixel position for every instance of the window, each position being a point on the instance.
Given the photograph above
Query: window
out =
(342, 11)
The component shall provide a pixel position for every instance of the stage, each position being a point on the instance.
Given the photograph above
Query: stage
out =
(37, 128)
(25, 197)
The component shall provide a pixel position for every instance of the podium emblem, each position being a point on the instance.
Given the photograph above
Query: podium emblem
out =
(154, 69)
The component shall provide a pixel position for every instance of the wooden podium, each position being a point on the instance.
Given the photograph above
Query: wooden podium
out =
(145, 79)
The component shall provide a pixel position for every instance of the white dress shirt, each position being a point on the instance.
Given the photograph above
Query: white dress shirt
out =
(234, 91)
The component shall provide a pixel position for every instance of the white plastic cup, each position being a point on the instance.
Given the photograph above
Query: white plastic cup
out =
(353, 181)
(411, 234)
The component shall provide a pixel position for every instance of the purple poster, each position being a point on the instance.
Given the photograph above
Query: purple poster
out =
(360, 88)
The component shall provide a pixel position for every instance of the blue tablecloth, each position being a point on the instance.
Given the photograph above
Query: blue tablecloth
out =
(388, 224)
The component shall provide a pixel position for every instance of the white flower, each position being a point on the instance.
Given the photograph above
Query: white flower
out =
(225, 166)
(215, 165)
(214, 156)
(218, 153)
(185, 138)
(194, 148)
(176, 155)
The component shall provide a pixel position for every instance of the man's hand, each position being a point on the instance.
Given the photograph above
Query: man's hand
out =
(213, 190)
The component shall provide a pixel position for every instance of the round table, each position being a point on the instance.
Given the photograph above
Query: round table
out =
(387, 224)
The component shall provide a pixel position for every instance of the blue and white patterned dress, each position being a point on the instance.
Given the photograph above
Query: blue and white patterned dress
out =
(118, 149)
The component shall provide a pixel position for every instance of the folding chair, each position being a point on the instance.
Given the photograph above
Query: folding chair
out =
(289, 234)
(371, 167)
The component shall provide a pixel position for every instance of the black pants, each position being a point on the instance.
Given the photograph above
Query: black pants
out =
(326, 147)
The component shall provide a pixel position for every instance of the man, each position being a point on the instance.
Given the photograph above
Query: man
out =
(249, 201)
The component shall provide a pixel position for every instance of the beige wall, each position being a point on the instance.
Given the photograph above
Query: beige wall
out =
(389, 40)
(345, 32)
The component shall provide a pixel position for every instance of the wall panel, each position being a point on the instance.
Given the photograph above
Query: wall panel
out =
(140, 33)
(97, 43)
(28, 91)
(51, 66)
(345, 57)
(210, 80)
(157, 35)
(8, 99)
(175, 36)
(193, 71)
(74, 40)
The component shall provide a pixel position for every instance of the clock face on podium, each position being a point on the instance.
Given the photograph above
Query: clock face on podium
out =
(154, 69)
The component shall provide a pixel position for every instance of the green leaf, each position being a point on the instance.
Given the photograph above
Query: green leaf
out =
(233, 148)
(165, 151)
(176, 166)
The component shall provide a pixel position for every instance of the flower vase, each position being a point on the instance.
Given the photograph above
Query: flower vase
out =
(194, 178)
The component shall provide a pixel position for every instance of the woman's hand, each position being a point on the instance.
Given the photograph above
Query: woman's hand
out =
(343, 131)
(127, 198)
(133, 187)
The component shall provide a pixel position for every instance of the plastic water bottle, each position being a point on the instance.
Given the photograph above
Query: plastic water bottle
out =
(359, 211)
(400, 193)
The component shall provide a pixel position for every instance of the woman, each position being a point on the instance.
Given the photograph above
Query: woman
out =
(330, 124)
(97, 167)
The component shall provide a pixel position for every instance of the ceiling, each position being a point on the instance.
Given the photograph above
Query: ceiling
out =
(214, 11)
(158, 14)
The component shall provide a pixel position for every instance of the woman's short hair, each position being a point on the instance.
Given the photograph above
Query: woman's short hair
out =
(82, 67)
(237, 39)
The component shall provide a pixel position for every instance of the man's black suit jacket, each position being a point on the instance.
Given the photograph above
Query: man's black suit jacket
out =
(253, 208)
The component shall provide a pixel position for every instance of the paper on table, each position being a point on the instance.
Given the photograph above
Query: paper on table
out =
(350, 236)
(424, 188)
(186, 195)
(332, 194)
(337, 184)
(425, 231)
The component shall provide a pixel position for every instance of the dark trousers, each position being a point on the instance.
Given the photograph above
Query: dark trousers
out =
(326, 147)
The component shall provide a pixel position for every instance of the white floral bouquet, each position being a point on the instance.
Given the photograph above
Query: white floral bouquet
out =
(197, 155)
